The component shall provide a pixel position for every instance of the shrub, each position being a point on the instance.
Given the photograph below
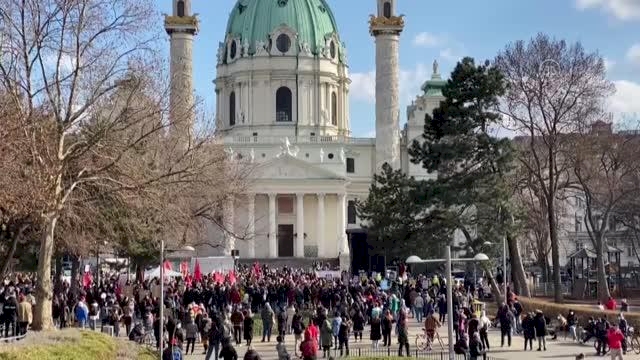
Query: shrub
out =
(583, 313)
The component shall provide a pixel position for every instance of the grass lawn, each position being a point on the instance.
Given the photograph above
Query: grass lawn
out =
(73, 345)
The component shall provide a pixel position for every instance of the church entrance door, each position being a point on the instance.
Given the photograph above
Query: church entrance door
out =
(285, 240)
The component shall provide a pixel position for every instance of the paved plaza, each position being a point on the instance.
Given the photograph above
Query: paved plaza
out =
(558, 349)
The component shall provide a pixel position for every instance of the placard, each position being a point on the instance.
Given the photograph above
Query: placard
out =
(128, 291)
(384, 285)
(328, 274)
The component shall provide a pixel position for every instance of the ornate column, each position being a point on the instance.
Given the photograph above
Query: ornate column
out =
(251, 228)
(299, 225)
(229, 229)
(320, 236)
(386, 28)
(342, 248)
(273, 242)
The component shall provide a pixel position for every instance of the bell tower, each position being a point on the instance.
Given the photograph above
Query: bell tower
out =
(386, 27)
(182, 26)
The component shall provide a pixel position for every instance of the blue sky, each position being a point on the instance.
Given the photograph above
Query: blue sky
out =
(448, 30)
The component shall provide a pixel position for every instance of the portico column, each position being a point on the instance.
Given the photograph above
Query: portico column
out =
(229, 229)
(342, 223)
(273, 248)
(320, 236)
(251, 228)
(300, 225)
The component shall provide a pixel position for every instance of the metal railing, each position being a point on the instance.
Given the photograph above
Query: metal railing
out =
(393, 351)
(546, 289)
(14, 333)
(315, 139)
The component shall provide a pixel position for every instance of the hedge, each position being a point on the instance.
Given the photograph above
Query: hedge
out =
(552, 310)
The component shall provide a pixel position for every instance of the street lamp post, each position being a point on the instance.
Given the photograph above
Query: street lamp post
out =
(448, 261)
(162, 251)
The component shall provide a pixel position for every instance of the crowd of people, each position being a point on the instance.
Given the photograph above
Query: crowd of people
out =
(323, 314)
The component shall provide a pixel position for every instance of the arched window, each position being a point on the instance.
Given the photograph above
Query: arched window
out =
(232, 109)
(334, 108)
(283, 105)
(181, 8)
(387, 9)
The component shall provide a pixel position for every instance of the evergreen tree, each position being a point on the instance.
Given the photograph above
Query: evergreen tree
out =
(469, 193)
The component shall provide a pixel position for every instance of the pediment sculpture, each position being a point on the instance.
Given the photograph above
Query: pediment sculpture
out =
(288, 149)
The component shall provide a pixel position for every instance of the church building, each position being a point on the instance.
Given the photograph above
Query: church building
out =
(282, 95)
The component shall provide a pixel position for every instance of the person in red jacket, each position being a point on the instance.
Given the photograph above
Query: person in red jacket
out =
(309, 347)
(611, 303)
(615, 339)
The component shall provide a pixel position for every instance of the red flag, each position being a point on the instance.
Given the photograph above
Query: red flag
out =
(197, 273)
(87, 279)
(218, 278)
(232, 277)
(256, 269)
(167, 265)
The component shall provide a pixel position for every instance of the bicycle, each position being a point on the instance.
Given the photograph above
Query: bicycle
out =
(424, 342)
(634, 341)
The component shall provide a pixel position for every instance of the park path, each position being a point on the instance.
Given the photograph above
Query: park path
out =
(558, 349)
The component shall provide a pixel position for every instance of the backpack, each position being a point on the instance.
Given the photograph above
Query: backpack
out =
(176, 353)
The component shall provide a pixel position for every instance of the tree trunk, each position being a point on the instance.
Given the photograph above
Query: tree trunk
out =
(76, 275)
(601, 274)
(518, 276)
(495, 289)
(42, 319)
(555, 249)
(12, 251)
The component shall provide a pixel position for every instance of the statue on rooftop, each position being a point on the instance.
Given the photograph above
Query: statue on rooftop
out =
(436, 67)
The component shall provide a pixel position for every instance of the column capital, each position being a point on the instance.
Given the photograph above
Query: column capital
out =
(272, 195)
(300, 194)
(321, 195)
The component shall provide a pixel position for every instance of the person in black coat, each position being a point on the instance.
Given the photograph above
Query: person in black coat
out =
(376, 332)
(248, 328)
(540, 325)
(475, 347)
(504, 316)
(529, 331)
(10, 314)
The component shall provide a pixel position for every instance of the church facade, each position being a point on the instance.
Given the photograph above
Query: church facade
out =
(282, 91)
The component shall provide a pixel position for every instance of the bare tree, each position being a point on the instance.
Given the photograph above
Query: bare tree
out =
(87, 74)
(605, 166)
(554, 89)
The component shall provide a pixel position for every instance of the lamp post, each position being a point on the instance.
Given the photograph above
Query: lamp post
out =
(448, 261)
(162, 251)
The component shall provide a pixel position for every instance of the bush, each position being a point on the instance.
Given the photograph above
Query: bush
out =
(74, 345)
(552, 310)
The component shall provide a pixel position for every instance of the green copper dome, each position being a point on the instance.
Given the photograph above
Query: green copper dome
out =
(254, 20)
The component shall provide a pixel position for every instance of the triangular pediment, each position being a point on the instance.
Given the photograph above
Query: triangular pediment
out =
(290, 167)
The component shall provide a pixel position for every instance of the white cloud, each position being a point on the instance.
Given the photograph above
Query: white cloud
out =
(621, 9)
(427, 39)
(625, 101)
(450, 55)
(633, 54)
(363, 85)
(609, 64)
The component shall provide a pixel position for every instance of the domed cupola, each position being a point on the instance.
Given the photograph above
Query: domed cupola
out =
(281, 72)
(281, 27)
